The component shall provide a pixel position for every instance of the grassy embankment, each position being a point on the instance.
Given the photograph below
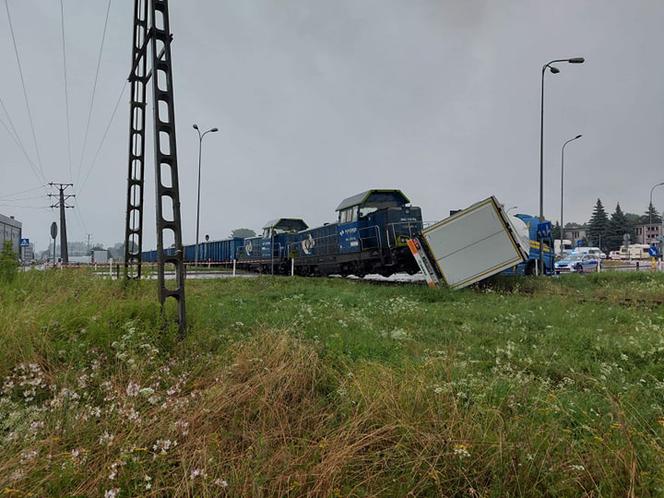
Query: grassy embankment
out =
(333, 388)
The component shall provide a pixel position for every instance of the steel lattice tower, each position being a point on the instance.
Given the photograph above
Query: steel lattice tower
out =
(152, 31)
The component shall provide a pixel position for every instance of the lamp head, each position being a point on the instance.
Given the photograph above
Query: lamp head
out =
(578, 136)
(195, 126)
(213, 130)
(554, 69)
(576, 60)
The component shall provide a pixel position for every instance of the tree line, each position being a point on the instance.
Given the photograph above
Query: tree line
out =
(608, 232)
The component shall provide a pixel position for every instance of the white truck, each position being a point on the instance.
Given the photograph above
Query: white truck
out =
(476, 243)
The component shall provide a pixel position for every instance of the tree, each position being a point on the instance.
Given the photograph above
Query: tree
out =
(8, 263)
(556, 231)
(243, 233)
(598, 226)
(633, 219)
(619, 225)
(651, 211)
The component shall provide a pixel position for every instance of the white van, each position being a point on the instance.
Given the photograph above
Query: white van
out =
(591, 251)
(635, 251)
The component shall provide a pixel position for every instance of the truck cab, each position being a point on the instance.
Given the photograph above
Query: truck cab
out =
(538, 233)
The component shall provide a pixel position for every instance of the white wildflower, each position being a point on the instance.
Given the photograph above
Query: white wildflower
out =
(182, 426)
(197, 473)
(461, 450)
(163, 445)
(28, 455)
(132, 389)
(111, 493)
(106, 439)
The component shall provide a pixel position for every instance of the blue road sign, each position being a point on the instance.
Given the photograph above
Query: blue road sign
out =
(24, 243)
(653, 251)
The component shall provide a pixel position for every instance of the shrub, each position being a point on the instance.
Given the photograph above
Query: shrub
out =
(8, 263)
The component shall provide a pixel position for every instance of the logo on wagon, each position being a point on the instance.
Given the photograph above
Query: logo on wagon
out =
(308, 244)
(248, 247)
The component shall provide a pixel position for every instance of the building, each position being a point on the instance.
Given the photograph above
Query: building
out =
(10, 229)
(648, 233)
(575, 232)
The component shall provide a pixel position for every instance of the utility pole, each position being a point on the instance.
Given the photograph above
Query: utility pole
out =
(62, 204)
(152, 40)
(89, 235)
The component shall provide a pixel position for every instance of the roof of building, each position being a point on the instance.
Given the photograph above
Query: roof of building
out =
(10, 221)
(375, 197)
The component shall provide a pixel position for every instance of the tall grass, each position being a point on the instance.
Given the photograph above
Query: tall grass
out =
(293, 387)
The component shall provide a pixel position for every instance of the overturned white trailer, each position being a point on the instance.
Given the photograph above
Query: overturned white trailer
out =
(471, 245)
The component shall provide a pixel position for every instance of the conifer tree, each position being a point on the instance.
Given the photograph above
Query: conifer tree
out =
(619, 225)
(598, 226)
(651, 214)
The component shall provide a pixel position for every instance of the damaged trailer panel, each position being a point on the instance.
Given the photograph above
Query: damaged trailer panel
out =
(471, 245)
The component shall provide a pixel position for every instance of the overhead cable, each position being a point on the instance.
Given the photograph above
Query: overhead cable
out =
(22, 192)
(17, 140)
(64, 70)
(25, 92)
(94, 91)
(103, 139)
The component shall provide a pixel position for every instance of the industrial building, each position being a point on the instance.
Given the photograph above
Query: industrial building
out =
(10, 229)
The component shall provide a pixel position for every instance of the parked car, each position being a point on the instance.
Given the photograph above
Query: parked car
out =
(616, 255)
(577, 263)
(591, 251)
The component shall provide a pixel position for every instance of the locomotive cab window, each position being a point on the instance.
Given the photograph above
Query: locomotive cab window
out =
(348, 215)
(364, 211)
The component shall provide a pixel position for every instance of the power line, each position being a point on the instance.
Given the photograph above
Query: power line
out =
(103, 139)
(25, 92)
(14, 206)
(64, 68)
(94, 91)
(17, 140)
(21, 199)
(23, 191)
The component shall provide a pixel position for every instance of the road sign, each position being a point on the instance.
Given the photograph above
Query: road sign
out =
(24, 243)
(653, 251)
(54, 230)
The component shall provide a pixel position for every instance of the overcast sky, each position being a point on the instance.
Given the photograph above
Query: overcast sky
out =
(318, 100)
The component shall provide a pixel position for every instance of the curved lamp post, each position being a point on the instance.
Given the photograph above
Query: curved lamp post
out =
(554, 70)
(650, 205)
(562, 176)
(198, 200)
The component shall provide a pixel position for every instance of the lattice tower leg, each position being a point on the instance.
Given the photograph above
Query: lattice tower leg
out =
(169, 225)
(136, 168)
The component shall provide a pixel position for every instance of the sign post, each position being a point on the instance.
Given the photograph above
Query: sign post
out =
(54, 234)
(626, 239)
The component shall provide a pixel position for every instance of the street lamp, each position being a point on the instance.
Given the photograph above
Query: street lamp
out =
(554, 70)
(562, 176)
(198, 200)
(650, 205)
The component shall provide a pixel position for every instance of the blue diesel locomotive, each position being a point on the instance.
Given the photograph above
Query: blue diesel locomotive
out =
(369, 236)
